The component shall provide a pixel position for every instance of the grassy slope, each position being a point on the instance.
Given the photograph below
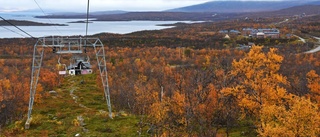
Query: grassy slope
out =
(57, 114)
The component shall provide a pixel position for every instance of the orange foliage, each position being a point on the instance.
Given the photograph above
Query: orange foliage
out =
(260, 82)
(314, 85)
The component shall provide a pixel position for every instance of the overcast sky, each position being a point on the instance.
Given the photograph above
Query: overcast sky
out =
(97, 5)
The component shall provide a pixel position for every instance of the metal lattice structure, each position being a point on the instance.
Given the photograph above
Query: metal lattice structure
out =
(67, 46)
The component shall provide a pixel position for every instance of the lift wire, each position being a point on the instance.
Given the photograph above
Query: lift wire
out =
(17, 27)
(47, 18)
(87, 23)
(13, 31)
(87, 26)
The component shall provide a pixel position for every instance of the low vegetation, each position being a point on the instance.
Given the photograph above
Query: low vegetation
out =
(174, 82)
(77, 107)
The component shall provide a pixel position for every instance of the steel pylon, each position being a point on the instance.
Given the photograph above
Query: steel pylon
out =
(67, 46)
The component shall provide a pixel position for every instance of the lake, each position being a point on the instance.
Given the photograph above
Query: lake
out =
(119, 27)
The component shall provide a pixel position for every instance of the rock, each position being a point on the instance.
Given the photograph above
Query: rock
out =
(81, 120)
(85, 130)
(102, 112)
(78, 135)
(53, 92)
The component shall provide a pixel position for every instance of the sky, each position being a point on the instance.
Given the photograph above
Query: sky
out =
(95, 5)
(98, 5)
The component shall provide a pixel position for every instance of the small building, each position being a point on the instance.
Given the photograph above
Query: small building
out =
(224, 31)
(270, 33)
(247, 31)
(261, 33)
(234, 32)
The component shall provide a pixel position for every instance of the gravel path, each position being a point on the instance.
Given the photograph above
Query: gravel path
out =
(316, 49)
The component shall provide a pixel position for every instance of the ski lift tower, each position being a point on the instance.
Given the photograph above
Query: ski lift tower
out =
(67, 46)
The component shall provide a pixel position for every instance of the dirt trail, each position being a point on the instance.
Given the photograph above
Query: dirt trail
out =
(316, 49)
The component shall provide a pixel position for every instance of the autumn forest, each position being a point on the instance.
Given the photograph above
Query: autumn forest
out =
(190, 80)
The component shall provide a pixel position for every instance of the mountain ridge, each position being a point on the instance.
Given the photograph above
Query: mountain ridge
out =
(242, 6)
(197, 16)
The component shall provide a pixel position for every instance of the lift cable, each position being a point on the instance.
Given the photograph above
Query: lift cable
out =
(45, 15)
(87, 23)
(87, 26)
(17, 27)
(13, 31)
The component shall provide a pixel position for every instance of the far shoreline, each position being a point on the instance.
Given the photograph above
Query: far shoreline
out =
(27, 23)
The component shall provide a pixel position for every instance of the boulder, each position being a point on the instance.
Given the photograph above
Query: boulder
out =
(53, 92)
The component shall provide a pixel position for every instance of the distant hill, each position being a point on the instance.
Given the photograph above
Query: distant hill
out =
(108, 12)
(92, 13)
(298, 10)
(84, 14)
(162, 16)
(152, 16)
(210, 11)
(292, 11)
(81, 15)
(243, 6)
(27, 23)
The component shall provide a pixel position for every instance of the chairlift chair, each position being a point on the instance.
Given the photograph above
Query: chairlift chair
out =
(79, 66)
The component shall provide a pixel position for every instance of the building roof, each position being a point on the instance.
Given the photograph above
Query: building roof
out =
(260, 33)
(223, 31)
(234, 31)
(271, 32)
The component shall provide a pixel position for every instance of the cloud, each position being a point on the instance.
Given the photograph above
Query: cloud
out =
(98, 5)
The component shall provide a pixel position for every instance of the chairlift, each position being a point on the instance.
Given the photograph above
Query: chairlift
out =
(64, 71)
(69, 46)
(79, 66)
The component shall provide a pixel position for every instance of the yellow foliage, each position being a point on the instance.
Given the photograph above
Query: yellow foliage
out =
(17, 124)
(75, 122)
(260, 91)
(159, 112)
(259, 80)
(38, 95)
(300, 117)
(59, 122)
(206, 109)
(5, 85)
(314, 85)
(145, 95)
(178, 107)
(179, 102)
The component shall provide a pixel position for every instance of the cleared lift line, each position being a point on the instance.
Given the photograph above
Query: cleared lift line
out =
(68, 46)
(65, 46)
